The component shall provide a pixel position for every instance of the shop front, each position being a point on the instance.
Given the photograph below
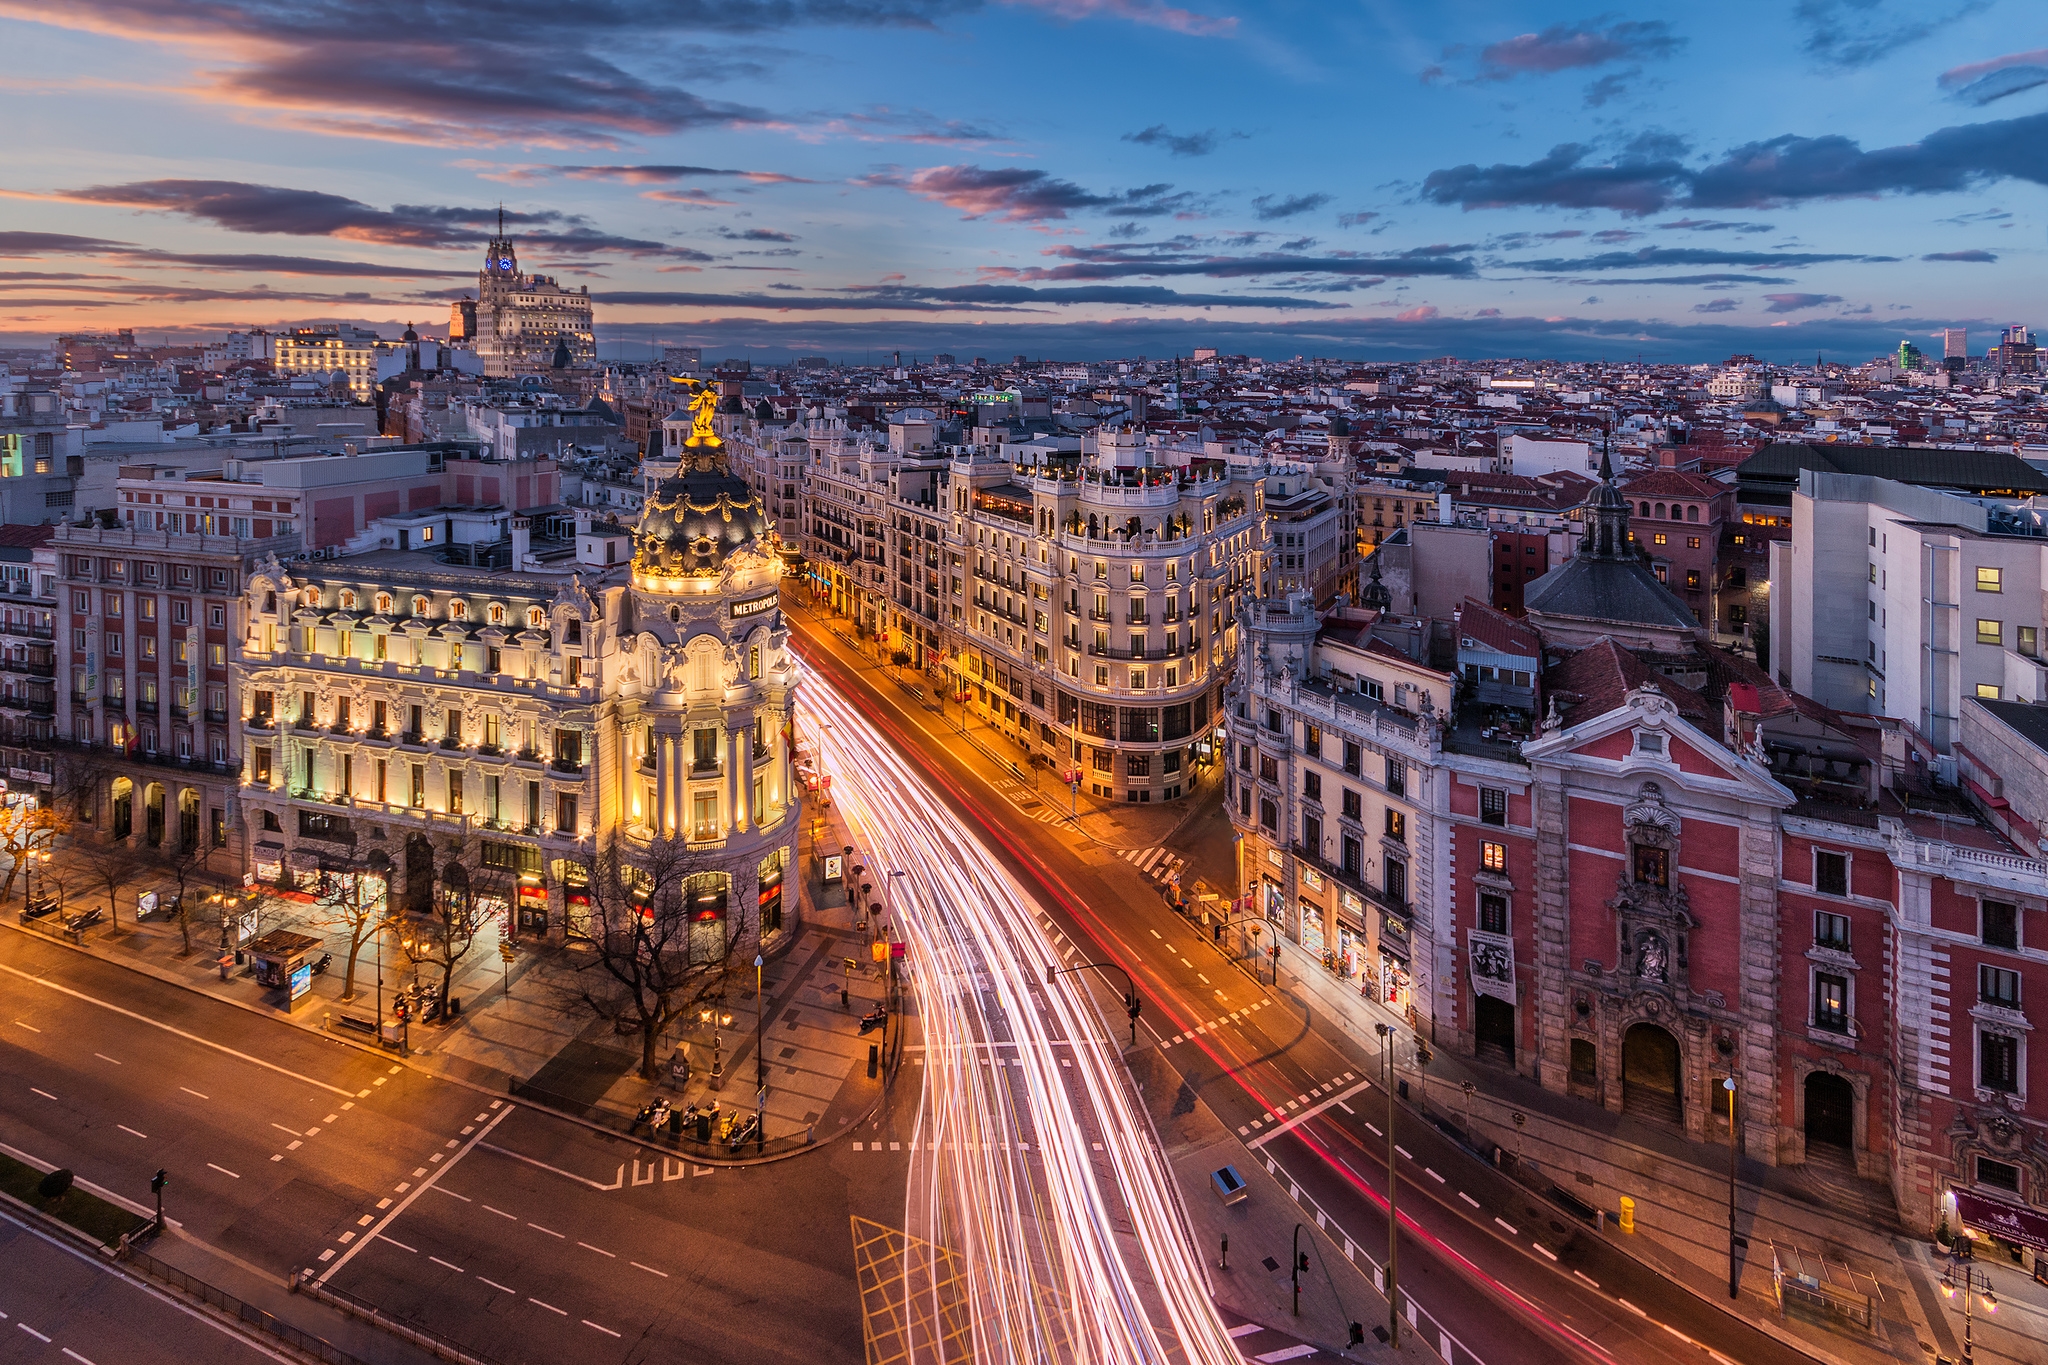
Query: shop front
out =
(2018, 1232)
(1394, 959)
(1351, 955)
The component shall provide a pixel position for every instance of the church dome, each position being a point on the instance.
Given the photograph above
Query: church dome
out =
(695, 521)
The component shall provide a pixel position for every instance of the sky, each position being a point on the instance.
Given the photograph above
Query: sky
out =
(1079, 179)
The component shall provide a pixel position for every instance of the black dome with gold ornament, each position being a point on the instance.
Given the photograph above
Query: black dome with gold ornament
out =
(694, 521)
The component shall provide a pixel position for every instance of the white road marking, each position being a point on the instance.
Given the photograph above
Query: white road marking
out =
(1432, 1175)
(400, 1245)
(606, 1330)
(1545, 1251)
(1509, 1226)
(406, 1203)
(282, 1129)
(438, 1261)
(190, 1091)
(549, 1231)
(33, 1332)
(1307, 1114)
(1468, 1199)
(599, 1250)
(126, 1129)
(44, 1093)
(30, 1027)
(159, 1024)
(105, 1058)
(224, 1170)
(1632, 1308)
(648, 1268)
(1587, 1278)
(495, 1285)
(500, 1212)
(76, 1356)
(550, 1307)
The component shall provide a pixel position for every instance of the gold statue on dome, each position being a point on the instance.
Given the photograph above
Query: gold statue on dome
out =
(703, 407)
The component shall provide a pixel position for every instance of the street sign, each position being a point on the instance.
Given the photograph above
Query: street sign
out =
(506, 950)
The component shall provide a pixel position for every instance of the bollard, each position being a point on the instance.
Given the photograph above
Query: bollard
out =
(1628, 1214)
(874, 1059)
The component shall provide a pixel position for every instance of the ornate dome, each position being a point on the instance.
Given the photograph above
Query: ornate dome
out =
(695, 521)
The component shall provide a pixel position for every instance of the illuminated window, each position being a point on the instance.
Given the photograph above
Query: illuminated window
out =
(1990, 580)
(348, 599)
(1493, 857)
(383, 601)
(536, 619)
(420, 606)
(1987, 691)
(1660, 539)
(497, 614)
(1990, 632)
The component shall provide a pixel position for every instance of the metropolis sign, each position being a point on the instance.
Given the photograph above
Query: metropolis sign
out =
(754, 606)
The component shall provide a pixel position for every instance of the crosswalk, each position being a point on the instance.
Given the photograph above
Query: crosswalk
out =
(1157, 863)
(1262, 1345)
(1033, 804)
(1242, 1016)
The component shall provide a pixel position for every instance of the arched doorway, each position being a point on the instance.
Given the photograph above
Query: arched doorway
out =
(153, 814)
(1830, 1112)
(419, 875)
(1649, 1074)
(124, 807)
(188, 818)
(1493, 1028)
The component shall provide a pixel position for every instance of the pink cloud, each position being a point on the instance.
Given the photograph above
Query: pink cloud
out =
(1422, 312)
(1153, 13)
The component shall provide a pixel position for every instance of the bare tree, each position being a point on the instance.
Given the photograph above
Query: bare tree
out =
(441, 927)
(647, 968)
(186, 868)
(112, 864)
(354, 896)
(77, 776)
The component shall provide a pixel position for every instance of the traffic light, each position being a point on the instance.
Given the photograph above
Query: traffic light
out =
(1131, 1007)
(1304, 1261)
(401, 1011)
(158, 1181)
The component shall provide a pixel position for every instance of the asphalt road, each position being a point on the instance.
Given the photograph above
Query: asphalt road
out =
(1470, 1249)
(286, 1149)
(59, 1307)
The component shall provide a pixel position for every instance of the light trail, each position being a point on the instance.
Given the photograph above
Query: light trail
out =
(1033, 1162)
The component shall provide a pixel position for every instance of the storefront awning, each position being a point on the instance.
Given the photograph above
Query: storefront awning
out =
(2020, 1226)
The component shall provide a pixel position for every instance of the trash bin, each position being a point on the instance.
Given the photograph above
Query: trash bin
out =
(703, 1127)
(1230, 1186)
(454, 1007)
(675, 1123)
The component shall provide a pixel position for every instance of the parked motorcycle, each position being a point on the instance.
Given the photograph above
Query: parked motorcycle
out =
(654, 1114)
(85, 921)
(325, 961)
(874, 1019)
(745, 1132)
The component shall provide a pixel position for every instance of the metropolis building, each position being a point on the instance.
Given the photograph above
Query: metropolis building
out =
(487, 701)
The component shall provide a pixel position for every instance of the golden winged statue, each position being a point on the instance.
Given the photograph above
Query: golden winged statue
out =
(703, 407)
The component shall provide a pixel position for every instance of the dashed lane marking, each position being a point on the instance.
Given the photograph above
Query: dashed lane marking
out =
(504, 1288)
(606, 1330)
(1468, 1199)
(224, 1170)
(126, 1129)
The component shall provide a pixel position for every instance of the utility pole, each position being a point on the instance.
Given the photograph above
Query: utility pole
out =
(760, 1061)
(1734, 1291)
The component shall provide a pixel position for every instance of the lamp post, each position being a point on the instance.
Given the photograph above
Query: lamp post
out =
(760, 1060)
(1974, 1281)
(1728, 1084)
(1386, 1032)
(1131, 1002)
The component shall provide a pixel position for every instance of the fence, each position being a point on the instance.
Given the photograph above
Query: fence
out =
(307, 1283)
(247, 1314)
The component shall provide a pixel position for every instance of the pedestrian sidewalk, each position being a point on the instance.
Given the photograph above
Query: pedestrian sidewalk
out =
(523, 1027)
(1680, 1188)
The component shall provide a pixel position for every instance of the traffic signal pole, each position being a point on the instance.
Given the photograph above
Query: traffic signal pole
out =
(1132, 1005)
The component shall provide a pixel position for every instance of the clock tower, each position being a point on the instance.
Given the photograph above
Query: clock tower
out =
(501, 262)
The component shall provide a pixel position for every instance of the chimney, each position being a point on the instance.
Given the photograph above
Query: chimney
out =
(522, 542)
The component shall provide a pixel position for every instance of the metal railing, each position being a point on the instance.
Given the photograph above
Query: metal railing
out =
(247, 1314)
(306, 1282)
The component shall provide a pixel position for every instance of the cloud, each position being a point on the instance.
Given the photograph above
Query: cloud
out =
(1793, 303)
(1143, 295)
(690, 199)
(1420, 313)
(1270, 209)
(1775, 172)
(1981, 83)
(1711, 225)
(882, 123)
(666, 174)
(1716, 306)
(1182, 144)
(1566, 47)
(1560, 179)
(1359, 219)
(1018, 194)
(1186, 257)
(755, 235)
(473, 71)
(1675, 255)
(1152, 13)
(1974, 254)
(1847, 34)
(54, 244)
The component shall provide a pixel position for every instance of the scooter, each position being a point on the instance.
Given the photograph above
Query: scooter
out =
(86, 920)
(320, 967)
(654, 1114)
(745, 1132)
(874, 1019)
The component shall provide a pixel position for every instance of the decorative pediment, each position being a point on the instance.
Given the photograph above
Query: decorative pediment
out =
(1648, 811)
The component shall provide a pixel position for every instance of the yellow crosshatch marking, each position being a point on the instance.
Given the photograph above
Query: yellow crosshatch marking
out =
(932, 1321)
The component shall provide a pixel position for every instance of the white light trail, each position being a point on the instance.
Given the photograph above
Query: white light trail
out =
(1033, 1161)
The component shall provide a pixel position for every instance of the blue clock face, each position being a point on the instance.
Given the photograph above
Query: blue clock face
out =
(504, 263)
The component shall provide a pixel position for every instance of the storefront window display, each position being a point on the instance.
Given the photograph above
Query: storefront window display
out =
(1311, 927)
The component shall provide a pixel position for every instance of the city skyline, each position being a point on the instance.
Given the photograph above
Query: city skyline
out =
(1073, 178)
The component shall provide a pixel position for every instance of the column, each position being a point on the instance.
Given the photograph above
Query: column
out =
(664, 760)
(748, 815)
(733, 817)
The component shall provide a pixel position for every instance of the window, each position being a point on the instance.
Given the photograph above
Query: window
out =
(1998, 1062)
(1312, 741)
(1397, 825)
(1493, 806)
(1351, 758)
(1312, 786)
(1692, 542)
(1353, 856)
(2001, 1175)
(565, 814)
(1493, 857)
(1830, 873)
(259, 765)
(1353, 805)
(1312, 834)
(1998, 986)
(1269, 768)
(1985, 691)
(1653, 866)
(1269, 815)
(1649, 742)
(1660, 539)
(1990, 632)
(419, 785)
(1831, 1002)
(2001, 924)
(1990, 580)
(2028, 641)
(1397, 777)
(1493, 914)
(1397, 881)
(454, 792)
(1830, 931)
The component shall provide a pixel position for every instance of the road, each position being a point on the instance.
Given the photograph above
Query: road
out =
(58, 1306)
(1468, 1237)
(286, 1149)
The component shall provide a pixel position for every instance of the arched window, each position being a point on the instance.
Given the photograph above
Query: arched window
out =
(1692, 513)
(348, 599)
(457, 609)
(310, 597)
(1645, 512)
(1660, 511)
(420, 606)
(497, 614)
(383, 602)
(536, 619)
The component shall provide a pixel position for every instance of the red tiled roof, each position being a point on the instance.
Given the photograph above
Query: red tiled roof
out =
(1674, 483)
(25, 537)
(1600, 677)
(1497, 630)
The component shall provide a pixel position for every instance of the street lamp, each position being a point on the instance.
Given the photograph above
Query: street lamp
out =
(1728, 1084)
(1386, 1032)
(760, 1061)
(1974, 1281)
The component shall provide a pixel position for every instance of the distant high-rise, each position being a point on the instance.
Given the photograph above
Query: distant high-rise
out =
(1955, 343)
(1910, 356)
(521, 318)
